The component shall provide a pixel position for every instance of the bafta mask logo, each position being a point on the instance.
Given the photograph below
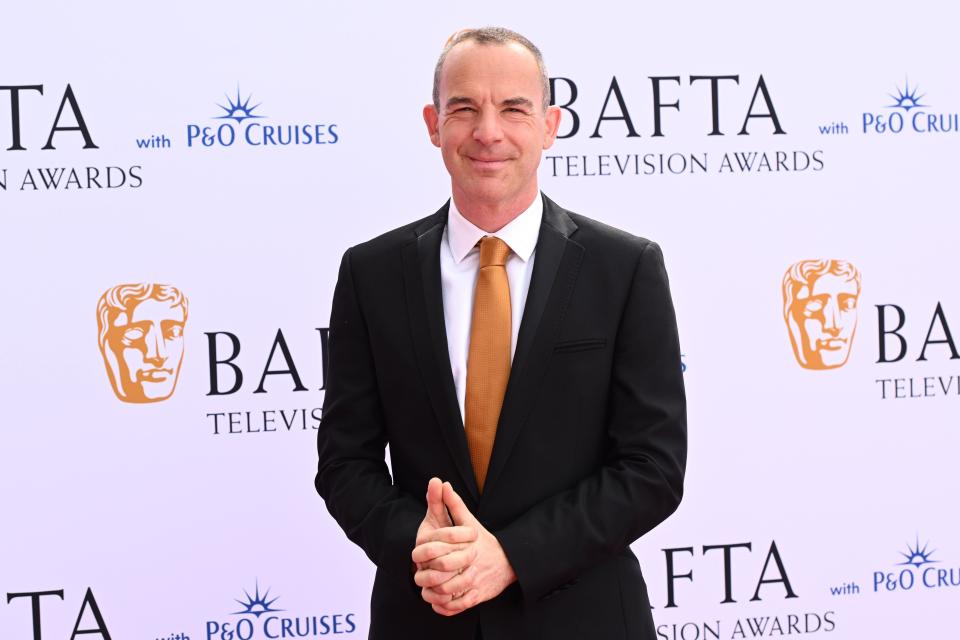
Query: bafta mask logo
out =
(820, 308)
(141, 339)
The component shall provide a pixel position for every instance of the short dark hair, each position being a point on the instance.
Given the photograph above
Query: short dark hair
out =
(490, 35)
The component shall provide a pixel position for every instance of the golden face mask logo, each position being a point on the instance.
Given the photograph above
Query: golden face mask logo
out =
(141, 339)
(820, 300)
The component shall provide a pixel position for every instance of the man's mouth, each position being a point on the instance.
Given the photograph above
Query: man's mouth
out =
(834, 344)
(154, 375)
(483, 163)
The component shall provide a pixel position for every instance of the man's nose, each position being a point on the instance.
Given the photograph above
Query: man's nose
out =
(156, 348)
(487, 130)
(831, 318)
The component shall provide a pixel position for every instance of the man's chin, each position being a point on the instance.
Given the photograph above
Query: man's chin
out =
(485, 190)
(156, 391)
(833, 358)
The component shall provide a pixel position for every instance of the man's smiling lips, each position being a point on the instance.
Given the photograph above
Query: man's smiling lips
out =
(488, 164)
(154, 375)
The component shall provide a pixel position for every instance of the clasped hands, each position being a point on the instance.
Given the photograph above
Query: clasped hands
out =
(459, 564)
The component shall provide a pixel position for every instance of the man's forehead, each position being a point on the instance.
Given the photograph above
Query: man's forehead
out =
(515, 101)
(471, 65)
(832, 283)
(470, 47)
(152, 309)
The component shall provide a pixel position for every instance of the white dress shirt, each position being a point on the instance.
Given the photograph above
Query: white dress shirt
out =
(459, 264)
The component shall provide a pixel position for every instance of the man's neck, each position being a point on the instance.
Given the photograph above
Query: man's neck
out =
(493, 216)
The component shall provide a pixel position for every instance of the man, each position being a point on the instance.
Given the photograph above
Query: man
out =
(522, 362)
(820, 309)
(141, 339)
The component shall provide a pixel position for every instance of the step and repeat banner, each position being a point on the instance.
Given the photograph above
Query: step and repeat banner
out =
(178, 184)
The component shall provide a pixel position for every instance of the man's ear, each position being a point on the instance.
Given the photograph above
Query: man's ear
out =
(552, 119)
(432, 120)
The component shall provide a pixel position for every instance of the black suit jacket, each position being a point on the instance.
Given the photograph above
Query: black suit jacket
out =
(590, 448)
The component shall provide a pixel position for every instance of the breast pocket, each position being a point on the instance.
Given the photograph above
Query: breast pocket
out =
(583, 344)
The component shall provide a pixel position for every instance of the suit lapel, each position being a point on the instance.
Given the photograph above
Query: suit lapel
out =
(555, 269)
(421, 264)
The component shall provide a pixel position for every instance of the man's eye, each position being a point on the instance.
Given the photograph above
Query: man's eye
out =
(133, 334)
(174, 332)
(813, 307)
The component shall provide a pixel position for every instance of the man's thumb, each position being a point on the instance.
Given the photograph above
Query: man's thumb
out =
(459, 511)
(435, 508)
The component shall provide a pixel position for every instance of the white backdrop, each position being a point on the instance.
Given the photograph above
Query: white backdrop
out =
(170, 522)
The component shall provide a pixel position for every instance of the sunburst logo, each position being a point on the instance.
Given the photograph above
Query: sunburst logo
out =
(257, 604)
(241, 123)
(917, 556)
(238, 109)
(907, 98)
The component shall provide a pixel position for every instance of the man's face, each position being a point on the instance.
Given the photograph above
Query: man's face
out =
(491, 127)
(825, 311)
(148, 344)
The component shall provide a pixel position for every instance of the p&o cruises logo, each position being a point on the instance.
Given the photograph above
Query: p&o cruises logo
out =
(909, 111)
(241, 124)
(259, 619)
(921, 570)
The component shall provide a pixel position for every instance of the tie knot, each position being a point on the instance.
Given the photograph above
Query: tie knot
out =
(493, 252)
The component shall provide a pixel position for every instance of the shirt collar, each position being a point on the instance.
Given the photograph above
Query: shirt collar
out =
(520, 234)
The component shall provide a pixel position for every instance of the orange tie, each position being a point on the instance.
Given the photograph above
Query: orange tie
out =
(488, 364)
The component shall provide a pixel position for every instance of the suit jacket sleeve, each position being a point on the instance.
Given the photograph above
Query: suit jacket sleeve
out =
(352, 475)
(641, 480)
